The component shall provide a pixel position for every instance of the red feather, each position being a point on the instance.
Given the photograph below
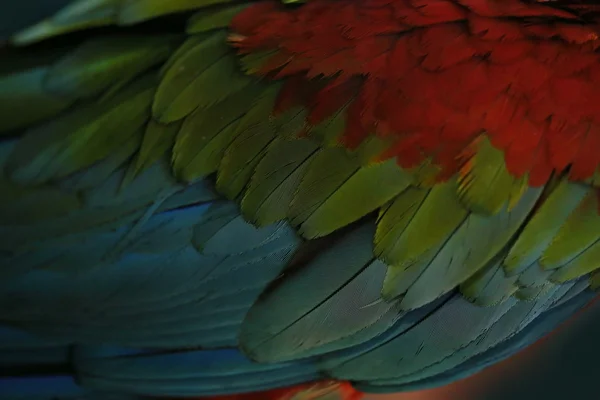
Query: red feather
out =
(436, 73)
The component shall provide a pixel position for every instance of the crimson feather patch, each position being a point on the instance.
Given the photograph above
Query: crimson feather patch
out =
(431, 76)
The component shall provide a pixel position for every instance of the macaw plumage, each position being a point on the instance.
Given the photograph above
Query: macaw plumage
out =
(257, 199)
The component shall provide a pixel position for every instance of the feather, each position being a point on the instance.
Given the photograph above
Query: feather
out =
(102, 170)
(534, 331)
(485, 185)
(369, 188)
(508, 323)
(99, 63)
(207, 133)
(533, 276)
(208, 20)
(290, 321)
(544, 225)
(578, 233)
(253, 134)
(327, 172)
(181, 88)
(158, 139)
(77, 15)
(411, 231)
(489, 286)
(205, 292)
(81, 137)
(275, 180)
(584, 263)
(114, 232)
(25, 89)
(469, 249)
(440, 335)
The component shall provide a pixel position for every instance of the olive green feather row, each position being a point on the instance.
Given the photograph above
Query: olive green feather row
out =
(484, 231)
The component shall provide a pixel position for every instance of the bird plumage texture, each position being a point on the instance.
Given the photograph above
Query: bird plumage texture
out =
(214, 197)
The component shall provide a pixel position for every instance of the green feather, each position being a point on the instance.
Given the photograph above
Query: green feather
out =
(158, 140)
(252, 63)
(25, 91)
(485, 185)
(276, 179)
(330, 130)
(580, 231)
(189, 44)
(372, 147)
(291, 123)
(533, 292)
(206, 134)
(85, 14)
(411, 231)
(393, 219)
(216, 219)
(81, 137)
(534, 275)
(544, 225)
(100, 171)
(366, 190)
(595, 281)
(100, 63)
(207, 20)
(270, 331)
(215, 84)
(328, 171)
(474, 244)
(489, 286)
(78, 15)
(181, 89)
(134, 11)
(253, 134)
(584, 263)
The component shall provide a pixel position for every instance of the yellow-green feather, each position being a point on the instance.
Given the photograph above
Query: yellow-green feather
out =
(478, 240)
(328, 171)
(544, 225)
(584, 263)
(369, 188)
(276, 179)
(484, 184)
(180, 90)
(411, 231)
(206, 134)
(98, 63)
(580, 231)
(489, 286)
(253, 134)
(158, 140)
